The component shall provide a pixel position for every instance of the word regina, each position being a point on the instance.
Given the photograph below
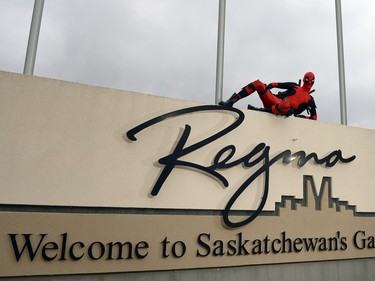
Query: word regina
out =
(222, 160)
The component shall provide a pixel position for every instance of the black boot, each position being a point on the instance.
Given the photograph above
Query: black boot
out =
(233, 99)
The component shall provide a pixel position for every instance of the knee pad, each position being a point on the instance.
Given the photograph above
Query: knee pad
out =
(281, 108)
(259, 86)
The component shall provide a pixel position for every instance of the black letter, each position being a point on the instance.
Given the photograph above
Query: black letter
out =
(71, 253)
(27, 245)
(204, 245)
(141, 245)
(46, 247)
(355, 240)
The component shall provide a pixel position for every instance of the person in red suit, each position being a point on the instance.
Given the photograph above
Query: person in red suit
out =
(293, 101)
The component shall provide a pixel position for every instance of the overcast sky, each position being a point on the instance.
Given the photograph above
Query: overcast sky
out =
(168, 47)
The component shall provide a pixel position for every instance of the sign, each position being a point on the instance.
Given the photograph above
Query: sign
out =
(102, 180)
(259, 155)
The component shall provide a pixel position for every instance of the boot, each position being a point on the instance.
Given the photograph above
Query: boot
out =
(233, 99)
(245, 91)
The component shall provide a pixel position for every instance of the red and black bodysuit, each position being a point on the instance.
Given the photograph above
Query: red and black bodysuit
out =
(293, 101)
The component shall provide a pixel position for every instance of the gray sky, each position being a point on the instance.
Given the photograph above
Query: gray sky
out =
(168, 47)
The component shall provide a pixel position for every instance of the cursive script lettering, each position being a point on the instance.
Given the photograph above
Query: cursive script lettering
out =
(224, 158)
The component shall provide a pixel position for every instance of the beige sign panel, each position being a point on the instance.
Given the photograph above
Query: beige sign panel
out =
(65, 144)
(228, 175)
(315, 227)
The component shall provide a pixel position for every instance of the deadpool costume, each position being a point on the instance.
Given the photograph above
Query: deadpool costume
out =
(293, 101)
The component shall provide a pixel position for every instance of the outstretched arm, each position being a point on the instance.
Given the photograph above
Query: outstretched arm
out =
(282, 85)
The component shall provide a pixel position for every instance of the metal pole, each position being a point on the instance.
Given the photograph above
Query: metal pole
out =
(220, 53)
(33, 37)
(340, 50)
